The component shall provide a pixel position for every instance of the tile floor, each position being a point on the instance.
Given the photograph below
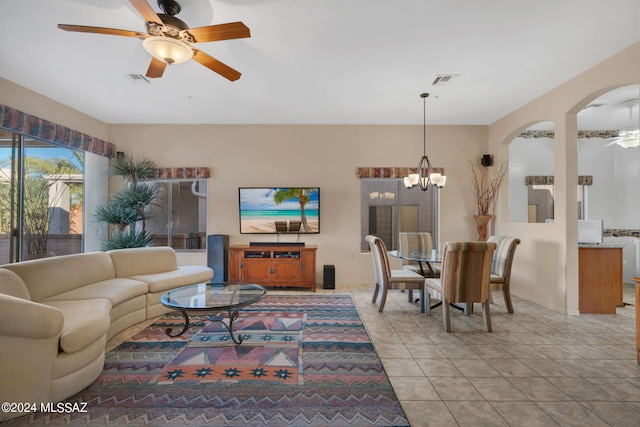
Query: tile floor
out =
(537, 368)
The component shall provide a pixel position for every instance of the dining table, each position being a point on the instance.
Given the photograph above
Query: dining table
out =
(423, 258)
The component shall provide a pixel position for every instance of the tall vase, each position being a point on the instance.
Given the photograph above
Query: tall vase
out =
(482, 225)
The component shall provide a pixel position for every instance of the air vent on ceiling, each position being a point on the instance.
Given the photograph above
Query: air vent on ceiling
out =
(444, 79)
(137, 78)
(594, 105)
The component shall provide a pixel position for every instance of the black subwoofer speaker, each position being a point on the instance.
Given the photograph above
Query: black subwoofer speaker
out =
(329, 277)
(217, 256)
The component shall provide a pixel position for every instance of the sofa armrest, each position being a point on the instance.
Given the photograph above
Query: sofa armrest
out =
(24, 318)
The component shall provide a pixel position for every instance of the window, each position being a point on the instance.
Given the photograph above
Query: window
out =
(388, 207)
(180, 216)
(41, 198)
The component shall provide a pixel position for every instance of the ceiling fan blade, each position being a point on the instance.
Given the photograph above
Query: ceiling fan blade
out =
(156, 68)
(101, 30)
(211, 33)
(215, 65)
(146, 11)
(614, 141)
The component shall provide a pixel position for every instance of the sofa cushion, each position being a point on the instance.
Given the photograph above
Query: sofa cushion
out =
(182, 276)
(12, 284)
(85, 321)
(148, 260)
(47, 277)
(115, 290)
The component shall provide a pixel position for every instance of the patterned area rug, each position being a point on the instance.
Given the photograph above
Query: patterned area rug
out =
(305, 361)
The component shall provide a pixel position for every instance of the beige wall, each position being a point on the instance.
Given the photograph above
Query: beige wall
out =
(287, 155)
(546, 264)
(35, 104)
(326, 156)
(311, 155)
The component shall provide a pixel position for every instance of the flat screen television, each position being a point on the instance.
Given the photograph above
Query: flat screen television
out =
(262, 207)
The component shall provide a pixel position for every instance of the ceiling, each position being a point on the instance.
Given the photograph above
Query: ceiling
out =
(320, 61)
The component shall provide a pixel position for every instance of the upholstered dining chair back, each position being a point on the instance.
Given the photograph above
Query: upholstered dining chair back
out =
(501, 266)
(466, 268)
(385, 277)
(421, 242)
(414, 242)
(378, 268)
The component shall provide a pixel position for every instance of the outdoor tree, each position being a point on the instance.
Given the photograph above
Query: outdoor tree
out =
(41, 193)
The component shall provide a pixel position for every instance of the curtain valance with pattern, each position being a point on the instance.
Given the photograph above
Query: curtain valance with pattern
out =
(36, 127)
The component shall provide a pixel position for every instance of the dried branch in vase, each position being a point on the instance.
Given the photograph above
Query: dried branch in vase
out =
(486, 184)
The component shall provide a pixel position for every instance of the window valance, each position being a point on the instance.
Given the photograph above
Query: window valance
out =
(26, 124)
(581, 134)
(549, 180)
(181, 173)
(389, 172)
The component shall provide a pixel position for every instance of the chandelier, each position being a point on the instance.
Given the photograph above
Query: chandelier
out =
(425, 177)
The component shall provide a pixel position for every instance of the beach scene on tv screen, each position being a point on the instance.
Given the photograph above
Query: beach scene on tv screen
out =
(260, 208)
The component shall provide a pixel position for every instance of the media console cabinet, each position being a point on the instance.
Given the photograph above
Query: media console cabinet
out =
(272, 265)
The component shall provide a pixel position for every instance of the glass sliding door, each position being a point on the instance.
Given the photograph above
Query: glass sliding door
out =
(9, 243)
(41, 204)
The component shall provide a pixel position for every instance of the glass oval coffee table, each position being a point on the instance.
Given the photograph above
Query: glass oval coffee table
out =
(205, 298)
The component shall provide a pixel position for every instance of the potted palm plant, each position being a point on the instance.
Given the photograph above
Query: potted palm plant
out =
(486, 185)
(128, 209)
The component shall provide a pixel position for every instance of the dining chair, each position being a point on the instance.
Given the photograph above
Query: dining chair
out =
(421, 242)
(386, 278)
(466, 268)
(501, 266)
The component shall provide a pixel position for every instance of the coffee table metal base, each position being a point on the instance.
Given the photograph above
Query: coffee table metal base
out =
(233, 315)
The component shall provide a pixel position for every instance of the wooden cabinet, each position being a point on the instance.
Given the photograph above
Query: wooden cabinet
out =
(293, 266)
(637, 280)
(600, 283)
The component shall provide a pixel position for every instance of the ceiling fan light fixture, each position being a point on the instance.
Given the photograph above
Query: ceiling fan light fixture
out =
(167, 49)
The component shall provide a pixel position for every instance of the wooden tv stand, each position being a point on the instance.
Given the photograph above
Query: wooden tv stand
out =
(272, 265)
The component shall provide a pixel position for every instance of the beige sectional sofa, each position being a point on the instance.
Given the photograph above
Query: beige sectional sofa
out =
(56, 314)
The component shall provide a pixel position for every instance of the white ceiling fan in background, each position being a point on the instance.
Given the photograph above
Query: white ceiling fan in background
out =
(629, 137)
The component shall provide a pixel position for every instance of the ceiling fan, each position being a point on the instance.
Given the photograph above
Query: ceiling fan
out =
(169, 40)
(628, 138)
